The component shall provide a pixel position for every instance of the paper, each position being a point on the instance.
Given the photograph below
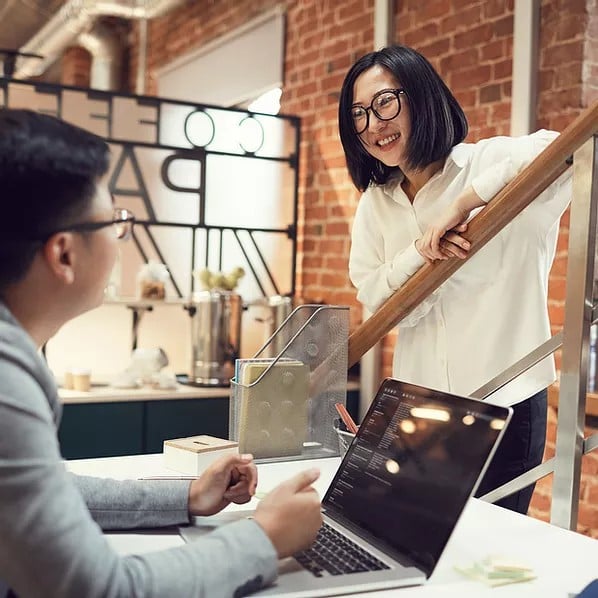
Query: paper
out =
(498, 571)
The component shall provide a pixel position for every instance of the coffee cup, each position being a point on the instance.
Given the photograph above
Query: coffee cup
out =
(81, 380)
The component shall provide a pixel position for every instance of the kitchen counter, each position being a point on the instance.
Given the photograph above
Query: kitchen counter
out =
(107, 421)
(109, 394)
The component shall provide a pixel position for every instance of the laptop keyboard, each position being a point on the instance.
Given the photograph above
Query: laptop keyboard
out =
(334, 553)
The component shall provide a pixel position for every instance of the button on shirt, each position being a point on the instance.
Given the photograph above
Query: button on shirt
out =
(493, 310)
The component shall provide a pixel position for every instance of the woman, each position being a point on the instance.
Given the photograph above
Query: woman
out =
(402, 131)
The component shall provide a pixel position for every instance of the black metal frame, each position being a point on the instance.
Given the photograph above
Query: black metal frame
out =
(195, 153)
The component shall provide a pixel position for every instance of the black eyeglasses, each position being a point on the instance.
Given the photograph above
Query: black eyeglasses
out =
(386, 105)
(122, 220)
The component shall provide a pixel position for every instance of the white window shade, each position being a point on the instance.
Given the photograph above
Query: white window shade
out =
(232, 69)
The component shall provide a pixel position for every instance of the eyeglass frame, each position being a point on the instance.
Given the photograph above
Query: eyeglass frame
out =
(125, 217)
(397, 92)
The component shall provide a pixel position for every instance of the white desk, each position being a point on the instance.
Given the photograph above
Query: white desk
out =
(563, 561)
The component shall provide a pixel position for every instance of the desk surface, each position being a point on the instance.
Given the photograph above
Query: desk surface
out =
(563, 561)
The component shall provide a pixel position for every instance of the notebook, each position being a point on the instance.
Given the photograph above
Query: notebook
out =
(397, 495)
(273, 408)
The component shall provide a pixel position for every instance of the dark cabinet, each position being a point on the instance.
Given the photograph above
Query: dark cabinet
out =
(101, 430)
(111, 429)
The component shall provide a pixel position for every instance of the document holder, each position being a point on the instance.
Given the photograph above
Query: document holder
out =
(283, 407)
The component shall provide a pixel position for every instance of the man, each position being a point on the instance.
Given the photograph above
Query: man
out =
(58, 241)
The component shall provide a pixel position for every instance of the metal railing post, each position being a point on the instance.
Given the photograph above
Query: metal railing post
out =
(578, 317)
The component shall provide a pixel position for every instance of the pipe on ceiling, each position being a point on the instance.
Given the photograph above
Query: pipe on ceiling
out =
(105, 47)
(77, 17)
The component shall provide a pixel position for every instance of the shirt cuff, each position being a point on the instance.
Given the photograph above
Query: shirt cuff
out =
(491, 181)
(404, 265)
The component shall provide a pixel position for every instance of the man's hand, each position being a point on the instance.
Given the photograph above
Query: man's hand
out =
(290, 514)
(233, 478)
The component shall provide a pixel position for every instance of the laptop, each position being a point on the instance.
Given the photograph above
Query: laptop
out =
(397, 495)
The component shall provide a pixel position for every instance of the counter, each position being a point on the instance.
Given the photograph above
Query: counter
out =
(109, 422)
(109, 394)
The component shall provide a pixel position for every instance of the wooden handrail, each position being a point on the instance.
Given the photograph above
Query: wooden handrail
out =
(509, 202)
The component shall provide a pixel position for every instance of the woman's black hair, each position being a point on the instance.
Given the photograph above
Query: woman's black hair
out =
(438, 122)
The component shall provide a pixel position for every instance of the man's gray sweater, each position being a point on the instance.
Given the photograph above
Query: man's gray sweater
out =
(51, 543)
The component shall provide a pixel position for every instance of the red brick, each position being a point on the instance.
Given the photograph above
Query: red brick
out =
(589, 465)
(493, 50)
(503, 27)
(436, 48)
(496, 8)
(334, 280)
(337, 228)
(557, 315)
(571, 26)
(76, 67)
(588, 516)
(563, 54)
(474, 76)
(502, 69)
(490, 93)
(501, 111)
(557, 288)
(477, 35)
(459, 60)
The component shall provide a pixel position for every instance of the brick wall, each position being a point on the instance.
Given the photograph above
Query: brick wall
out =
(76, 67)
(470, 43)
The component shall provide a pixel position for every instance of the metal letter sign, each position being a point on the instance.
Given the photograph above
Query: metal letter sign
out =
(211, 187)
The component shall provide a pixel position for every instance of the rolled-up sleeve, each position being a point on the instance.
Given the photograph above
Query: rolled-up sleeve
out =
(376, 277)
(548, 207)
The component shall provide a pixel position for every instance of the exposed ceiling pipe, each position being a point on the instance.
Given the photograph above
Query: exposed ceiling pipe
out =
(105, 47)
(76, 17)
(141, 58)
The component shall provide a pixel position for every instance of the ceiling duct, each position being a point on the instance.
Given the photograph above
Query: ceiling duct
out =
(77, 17)
(105, 47)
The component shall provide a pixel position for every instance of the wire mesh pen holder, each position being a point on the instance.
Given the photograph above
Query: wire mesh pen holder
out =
(283, 407)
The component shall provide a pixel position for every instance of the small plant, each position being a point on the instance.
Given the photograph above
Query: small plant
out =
(209, 280)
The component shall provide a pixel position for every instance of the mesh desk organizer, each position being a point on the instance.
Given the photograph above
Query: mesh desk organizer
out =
(282, 407)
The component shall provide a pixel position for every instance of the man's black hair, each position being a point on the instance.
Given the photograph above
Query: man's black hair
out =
(48, 175)
(437, 120)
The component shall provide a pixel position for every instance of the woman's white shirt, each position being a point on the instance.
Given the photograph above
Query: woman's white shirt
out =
(493, 310)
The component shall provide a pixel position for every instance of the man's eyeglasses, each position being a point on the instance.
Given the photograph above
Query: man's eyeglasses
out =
(122, 220)
(386, 104)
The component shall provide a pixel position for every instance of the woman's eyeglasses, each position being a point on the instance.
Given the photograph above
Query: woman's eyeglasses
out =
(386, 105)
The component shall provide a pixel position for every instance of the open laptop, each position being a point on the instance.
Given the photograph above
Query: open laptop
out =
(398, 493)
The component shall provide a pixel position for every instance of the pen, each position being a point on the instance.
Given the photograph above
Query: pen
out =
(167, 477)
(347, 419)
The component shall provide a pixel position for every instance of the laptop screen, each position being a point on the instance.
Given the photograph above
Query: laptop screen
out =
(416, 460)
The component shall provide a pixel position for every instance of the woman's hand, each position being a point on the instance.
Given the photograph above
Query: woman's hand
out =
(233, 478)
(442, 240)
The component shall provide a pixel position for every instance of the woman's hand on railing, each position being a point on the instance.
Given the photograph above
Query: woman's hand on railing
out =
(443, 238)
